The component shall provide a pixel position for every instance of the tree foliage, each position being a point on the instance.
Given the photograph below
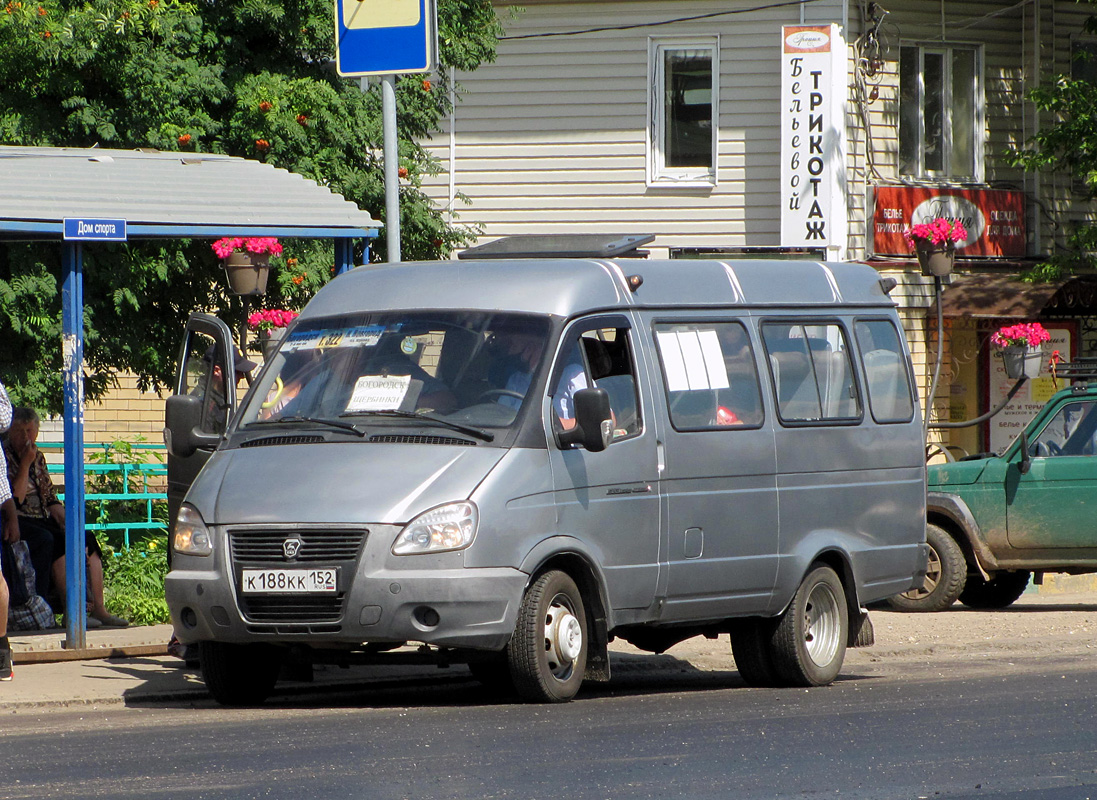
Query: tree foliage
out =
(251, 78)
(1066, 142)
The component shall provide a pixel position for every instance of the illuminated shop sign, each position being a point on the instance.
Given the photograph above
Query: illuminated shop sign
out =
(994, 219)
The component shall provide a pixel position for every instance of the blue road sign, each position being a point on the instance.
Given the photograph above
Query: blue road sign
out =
(95, 230)
(384, 37)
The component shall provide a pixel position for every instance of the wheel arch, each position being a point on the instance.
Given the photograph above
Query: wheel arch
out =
(562, 553)
(951, 514)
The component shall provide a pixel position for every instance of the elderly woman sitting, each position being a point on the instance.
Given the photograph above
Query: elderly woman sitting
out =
(42, 516)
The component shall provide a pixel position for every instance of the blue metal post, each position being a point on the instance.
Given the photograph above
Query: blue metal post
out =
(344, 255)
(72, 340)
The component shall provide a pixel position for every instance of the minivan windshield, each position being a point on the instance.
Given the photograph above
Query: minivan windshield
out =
(462, 370)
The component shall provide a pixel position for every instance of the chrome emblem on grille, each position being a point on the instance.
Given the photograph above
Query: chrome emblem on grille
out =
(290, 548)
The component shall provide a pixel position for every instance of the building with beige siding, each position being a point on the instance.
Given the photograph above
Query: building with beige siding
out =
(671, 118)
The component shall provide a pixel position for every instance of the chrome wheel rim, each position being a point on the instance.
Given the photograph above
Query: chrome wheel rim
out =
(822, 625)
(563, 638)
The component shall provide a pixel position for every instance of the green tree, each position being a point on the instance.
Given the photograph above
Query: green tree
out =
(251, 78)
(1067, 142)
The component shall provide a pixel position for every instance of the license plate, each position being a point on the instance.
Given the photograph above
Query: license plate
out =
(289, 581)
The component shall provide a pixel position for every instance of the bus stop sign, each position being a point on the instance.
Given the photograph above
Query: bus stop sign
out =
(385, 37)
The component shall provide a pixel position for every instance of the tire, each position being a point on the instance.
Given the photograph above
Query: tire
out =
(548, 652)
(999, 592)
(752, 648)
(946, 575)
(809, 644)
(240, 674)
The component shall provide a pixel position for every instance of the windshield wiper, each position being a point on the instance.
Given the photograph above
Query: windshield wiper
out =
(479, 434)
(331, 423)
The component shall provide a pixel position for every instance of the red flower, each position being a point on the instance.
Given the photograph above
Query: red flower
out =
(262, 145)
(46, 34)
(266, 106)
(184, 139)
(299, 279)
(302, 119)
(42, 12)
(402, 172)
(426, 86)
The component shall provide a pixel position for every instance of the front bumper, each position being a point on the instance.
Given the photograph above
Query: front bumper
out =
(381, 598)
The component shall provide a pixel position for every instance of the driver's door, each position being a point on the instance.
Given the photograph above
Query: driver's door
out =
(204, 358)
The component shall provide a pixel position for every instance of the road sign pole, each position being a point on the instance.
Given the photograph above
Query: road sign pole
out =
(392, 164)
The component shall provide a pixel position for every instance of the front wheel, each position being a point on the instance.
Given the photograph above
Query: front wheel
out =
(240, 674)
(548, 652)
(809, 644)
(946, 574)
(999, 592)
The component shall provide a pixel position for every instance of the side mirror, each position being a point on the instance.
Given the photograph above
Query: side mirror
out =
(593, 421)
(182, 416)
(1026, 459)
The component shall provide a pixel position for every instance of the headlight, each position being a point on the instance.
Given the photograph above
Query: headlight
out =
(191, 534)
(448, 527)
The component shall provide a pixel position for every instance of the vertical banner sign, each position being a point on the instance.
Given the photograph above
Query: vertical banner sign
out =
(813, 142)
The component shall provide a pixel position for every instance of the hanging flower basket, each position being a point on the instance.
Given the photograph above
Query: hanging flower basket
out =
(934, 243)
(1022, 354)
(247, 262)
(270, 324)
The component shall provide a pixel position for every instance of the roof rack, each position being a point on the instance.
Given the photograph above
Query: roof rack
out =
(562, 245)
(1077, 371)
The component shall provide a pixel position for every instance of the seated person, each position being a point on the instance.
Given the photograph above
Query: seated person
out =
(42, 514)
(214, 420)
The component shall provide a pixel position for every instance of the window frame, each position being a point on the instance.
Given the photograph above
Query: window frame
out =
(855, 380)
(658, 173)
(658, 352)
(978, 122)
(911, 384)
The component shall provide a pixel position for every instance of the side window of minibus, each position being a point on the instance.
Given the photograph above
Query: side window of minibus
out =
(889, 392)
(811, 371)
(709, 375)
(600, 358)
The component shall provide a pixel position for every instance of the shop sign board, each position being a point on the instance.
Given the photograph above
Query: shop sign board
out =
(813, 144)
(994, 218)
(385, 37)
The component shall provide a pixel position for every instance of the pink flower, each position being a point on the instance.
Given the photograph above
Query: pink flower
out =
(937, 231)
(266, 318)
(1032, 334)
(227, 245)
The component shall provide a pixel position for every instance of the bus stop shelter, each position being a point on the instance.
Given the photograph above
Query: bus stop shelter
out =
(129, 195)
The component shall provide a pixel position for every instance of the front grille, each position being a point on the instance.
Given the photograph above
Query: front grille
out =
(251, 547)
(401, 438)
(293, 608)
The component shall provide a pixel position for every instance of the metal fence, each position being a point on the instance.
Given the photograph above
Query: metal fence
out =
(139, 488)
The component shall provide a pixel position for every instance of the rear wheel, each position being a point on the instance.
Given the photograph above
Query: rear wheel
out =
(999, 592)
(548, 652)
(752, 648)
(240, 674)
(946, 574)
(809, 644)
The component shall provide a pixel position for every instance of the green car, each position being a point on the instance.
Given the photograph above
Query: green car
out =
(995, 520)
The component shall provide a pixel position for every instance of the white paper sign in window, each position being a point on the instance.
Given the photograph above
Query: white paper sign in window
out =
(379, 392)
(692, 360)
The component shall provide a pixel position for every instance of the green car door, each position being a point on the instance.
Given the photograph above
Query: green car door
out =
(1054, 504)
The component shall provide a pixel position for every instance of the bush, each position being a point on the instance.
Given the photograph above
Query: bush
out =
(134, 580)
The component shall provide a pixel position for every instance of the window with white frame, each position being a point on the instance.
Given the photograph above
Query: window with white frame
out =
(683, 111)
(941, 112)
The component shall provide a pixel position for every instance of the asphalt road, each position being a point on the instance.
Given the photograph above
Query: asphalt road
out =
(995, 727)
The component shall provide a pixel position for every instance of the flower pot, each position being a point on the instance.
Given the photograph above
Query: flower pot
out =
(270, 340)
(1023, 361)
(247, 272)
(935, 259)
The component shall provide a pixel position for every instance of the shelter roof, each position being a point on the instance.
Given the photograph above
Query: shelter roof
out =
(162, 194)
(985, 295)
